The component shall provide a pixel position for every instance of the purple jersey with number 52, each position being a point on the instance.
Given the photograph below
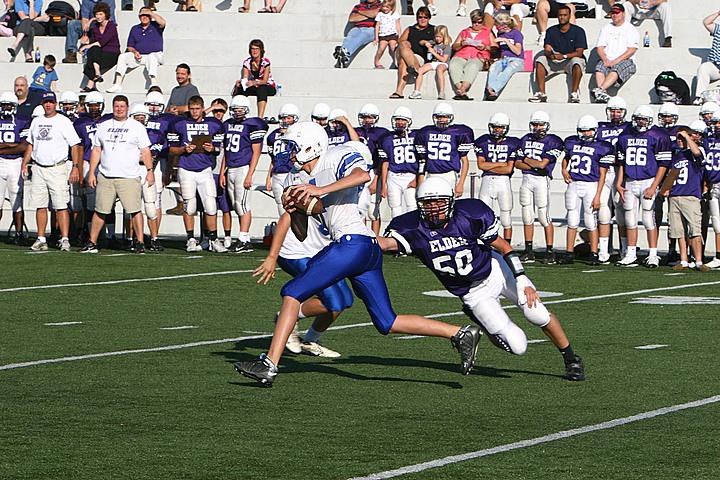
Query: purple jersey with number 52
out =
(459, 253)
(441, 149)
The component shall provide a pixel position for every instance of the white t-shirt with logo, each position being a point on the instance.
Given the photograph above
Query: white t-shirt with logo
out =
(121, 142)
(51, 139)
(617, 40)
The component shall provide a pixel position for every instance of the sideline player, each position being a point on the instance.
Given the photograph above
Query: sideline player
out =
(370, 134)
(584, 168)
(496, 154)
(711, 146)
(540, 150)
(289, 114)
(458, 240)
(354, 254)
(399, 167)
(13, 135)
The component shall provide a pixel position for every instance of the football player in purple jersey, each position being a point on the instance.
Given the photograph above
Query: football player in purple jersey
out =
(68, 104)
(610, 204)
(243, 145)
(161, 121)
(339, 128)
(643, 156)
(13, 132)
(399, 166)
(706, 112)
(320, 113)
(354, 253)
(458, 240)
(442, 148)
(583, 169)
(711, 145)
(539, 152)
(684, 213)
(370, 133)
(496, 154)
(289, 115)
(195, 169)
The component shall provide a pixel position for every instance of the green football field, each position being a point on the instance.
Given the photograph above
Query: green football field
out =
(120, 366)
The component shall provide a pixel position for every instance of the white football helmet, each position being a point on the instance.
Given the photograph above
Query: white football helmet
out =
(38, 111)
(587, 127)
(539, 123)
(362, 149)
(304, 141)
(443, 111)
(8, 104)
(401, 119)
(320, 113)
(140, 112)
(435, 200)
(95, 104)
(155, 102)
(642, 118)
(239, 107)
(616, 110)
(288, 110)
(707, 110)
(715, 122)
(698, 126)
(499, 125)
(368, 115)
(68, 103)
(668, 115)
(334, 125)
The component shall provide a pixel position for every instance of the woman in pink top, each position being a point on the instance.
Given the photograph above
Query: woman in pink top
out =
(472, 49)
(255, 77)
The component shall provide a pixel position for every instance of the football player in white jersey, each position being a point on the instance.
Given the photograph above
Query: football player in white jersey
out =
(354, 253)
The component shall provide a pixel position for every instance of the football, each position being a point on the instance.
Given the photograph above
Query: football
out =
(309, 205)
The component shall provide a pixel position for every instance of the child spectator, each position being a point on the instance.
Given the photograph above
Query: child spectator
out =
(438, 54)
(45, 78)
(387, 29)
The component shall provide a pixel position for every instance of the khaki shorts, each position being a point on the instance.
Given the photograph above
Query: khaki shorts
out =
(684, 217)
(50, 187)
(552, 66)
(128, 190)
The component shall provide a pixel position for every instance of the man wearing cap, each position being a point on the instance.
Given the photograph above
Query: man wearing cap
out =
(616, 46)
(120, 143)
(49, 140)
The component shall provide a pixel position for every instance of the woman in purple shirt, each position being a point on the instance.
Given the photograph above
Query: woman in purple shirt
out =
(104, 47)
(511, 60)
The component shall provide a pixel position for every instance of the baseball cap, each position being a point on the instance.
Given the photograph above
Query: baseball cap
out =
(49, 97)
(617, 8)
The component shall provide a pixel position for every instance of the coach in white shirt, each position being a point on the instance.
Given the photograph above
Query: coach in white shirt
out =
(119, 144)
(50, 139)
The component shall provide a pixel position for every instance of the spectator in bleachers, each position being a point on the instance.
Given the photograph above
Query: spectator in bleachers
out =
(104, 49)
(144, 48)
(439, 52)
(363, 32)
(181, 94)
(268, 8)
(616, 46)
(510, 39)
(518, 9)
(709, 71)
(413, 50)
(255, 77)
(640, 10)
(549, 9)
(563, 50)
(387, 30)
(31, 24)
(27, 99)
(78, 30)
(472, 51)
(45, 77)
(9, 19)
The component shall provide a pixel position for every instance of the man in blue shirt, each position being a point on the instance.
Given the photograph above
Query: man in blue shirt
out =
(144, 48)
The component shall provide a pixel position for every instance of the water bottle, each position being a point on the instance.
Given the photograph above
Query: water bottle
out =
(646, 39)
(504, 62)
(279, 90)
(37, 55)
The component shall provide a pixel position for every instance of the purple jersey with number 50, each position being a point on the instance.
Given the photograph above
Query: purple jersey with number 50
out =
(459, 253)
(442, 148)
(643, 153)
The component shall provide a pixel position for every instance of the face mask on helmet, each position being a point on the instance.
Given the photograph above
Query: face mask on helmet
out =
(155, 109)
(666, 120)
(641, 123)
(498, 131)
(367, 120)
(586, 136)
(141, 117)
(94, 109)
(239, 113)
(539, 129)
(287, 120)
(322, 121)
(715, 125)
(68, 108)
(336, 127)
(435, 209)
(401, 124)
(442, 120)
(7, 109)
(615, 115)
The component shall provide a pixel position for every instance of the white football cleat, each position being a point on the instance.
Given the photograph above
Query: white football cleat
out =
(192, 245)
(715, 263)
(628, 261)
(604, 258)
(293, 343)
(218, 246)
(39, 246)
(652, 261)
(317, 350)
(227, 241)
(64, 245)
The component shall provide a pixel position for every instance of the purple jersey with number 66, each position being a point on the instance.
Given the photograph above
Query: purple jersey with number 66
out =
(459, 253)
(643, 153)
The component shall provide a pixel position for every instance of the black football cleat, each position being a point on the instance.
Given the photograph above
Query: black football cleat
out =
(575, 370)
(466, 342)
(262, 370)
(567, 259)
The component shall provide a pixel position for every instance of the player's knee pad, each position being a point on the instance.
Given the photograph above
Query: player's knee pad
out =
(240, 201)
(573, 218)
(506, 218)
(604, 214)
(510, 338)
(714, 206)
(537, 315)
(648, 219)
(525, 196)
(629, 210)
(590, 219)
(544, 216)
(190, 206)
(150, 210)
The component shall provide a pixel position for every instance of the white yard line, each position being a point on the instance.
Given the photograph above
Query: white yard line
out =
(650, 347)
(61, 324)
(441, 462)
